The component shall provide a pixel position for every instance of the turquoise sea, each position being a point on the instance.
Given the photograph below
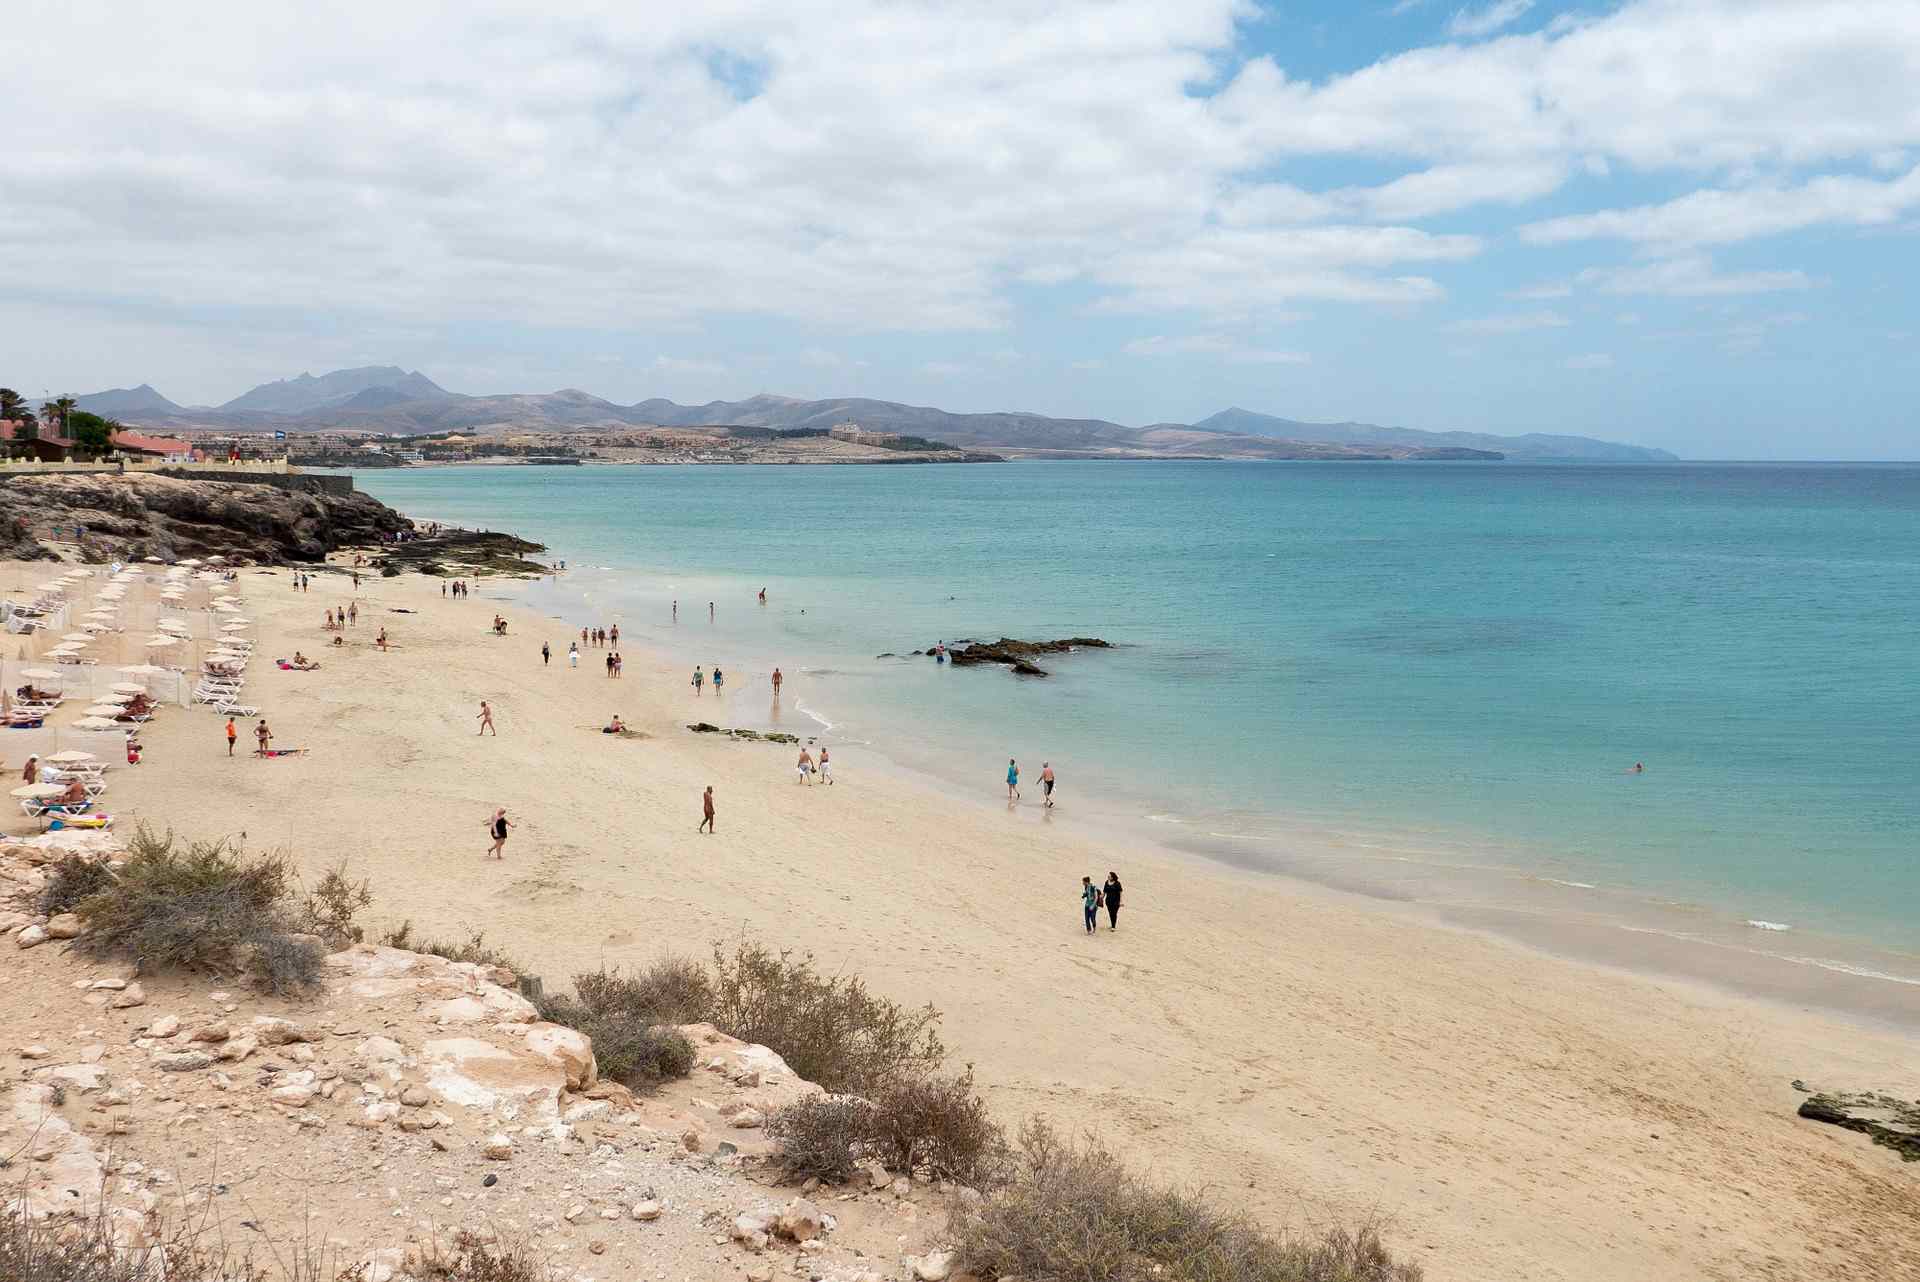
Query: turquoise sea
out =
(1425, 681)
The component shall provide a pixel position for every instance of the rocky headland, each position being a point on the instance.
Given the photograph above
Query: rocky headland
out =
(1017, 655)
(98, 517)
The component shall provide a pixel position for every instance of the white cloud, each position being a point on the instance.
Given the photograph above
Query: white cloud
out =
(684, 365)
(1542, 292)
(1471, 24)
(1589, 360)
(945, 369)
(1511, 323)
(1213, 345)
(1693, 276)
(1725, 216)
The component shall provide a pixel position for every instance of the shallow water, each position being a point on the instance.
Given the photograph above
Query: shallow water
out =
(1427, 681)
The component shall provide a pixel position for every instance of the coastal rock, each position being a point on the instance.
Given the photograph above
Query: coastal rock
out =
(1894, 1123)
(1019, 655)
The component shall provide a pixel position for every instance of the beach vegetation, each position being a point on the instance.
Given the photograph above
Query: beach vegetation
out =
(1074, 1210)
(473, 947)
(203, 905)
(72, 880)
(829, 1028)
(331, 906)
(933, 1125)
(632, 1043)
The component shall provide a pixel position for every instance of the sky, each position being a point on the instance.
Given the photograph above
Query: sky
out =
(1685, 223)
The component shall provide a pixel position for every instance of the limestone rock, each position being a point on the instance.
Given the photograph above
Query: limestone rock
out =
(934, 1266)
(182, 1061)
(646, 1212)
(294, 1096)
(35, 1051)
(801, 1221)
(165, 1026)
(31, 937)
(567, 1047)
(1886, 1120)
(65, 926)
(130, 996)
(746, 1117)
(273, 1031)
(235, 1049)
(750, 1231)
(499, 1147)
(210, 1033)
(415, 1097)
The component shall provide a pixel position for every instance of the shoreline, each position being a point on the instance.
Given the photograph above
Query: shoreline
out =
(1511, 1115)
(1630, 929)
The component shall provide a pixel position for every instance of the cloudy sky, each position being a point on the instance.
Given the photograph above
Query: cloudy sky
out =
(1689, 223)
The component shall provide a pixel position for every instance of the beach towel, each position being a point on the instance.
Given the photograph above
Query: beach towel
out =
(80, 821)
(283, 752)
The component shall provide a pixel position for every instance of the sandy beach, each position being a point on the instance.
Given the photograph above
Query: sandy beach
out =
(1310, 1056)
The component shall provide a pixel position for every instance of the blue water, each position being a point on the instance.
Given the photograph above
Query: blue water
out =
(1454, 662)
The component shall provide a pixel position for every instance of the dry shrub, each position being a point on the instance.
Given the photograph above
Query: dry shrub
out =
(331, 906)
(1074, 1211)
(474, 948)
(471, 1260)
(829, 1029)
(938, 1126)
(631, 1043)
(822, 1136)
(206, 906)
(64, 1250)
(73, 880)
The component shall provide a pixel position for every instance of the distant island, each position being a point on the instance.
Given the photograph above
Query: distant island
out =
(387, 401)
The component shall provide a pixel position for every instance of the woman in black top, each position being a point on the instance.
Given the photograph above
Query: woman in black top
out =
(1111, 893)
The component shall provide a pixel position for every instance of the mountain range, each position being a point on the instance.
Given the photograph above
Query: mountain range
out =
(386, 398)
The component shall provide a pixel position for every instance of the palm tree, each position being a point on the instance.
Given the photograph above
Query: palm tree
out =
(13, 405)
(57, 410)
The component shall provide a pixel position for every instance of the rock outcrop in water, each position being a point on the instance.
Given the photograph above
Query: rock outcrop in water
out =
(1019, 655)
(134, 515)
(1894, 1123)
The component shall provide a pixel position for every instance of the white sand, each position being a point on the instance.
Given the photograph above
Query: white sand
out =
(1313, 1057)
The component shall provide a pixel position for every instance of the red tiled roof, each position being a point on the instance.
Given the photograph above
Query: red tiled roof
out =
(150, 444)
(10, 431)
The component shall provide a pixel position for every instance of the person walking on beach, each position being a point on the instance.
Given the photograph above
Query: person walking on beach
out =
(706, 809)
(573, 654)
(1090, 903)
(262, 736)
(232, 735)
(498, 826)
(486, 720)
(614, 636)
(546, 654)
(709, 612)
(353, 614)
(1110, 893)
(1013, 781)
(719, 679)
(776, 683)
(699, 681)
(826, 767)
(619, 665)
(1046, 782)
(676, 609)
(803, 768)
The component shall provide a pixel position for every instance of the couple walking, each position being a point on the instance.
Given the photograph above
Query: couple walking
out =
(1093, 898)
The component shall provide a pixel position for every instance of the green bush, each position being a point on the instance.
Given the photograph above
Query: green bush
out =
(1074, 1211)
(829, 1029)
(632, 1044)
(207, 906)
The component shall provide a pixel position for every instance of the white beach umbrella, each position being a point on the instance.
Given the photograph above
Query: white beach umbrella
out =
(113, 696)
(97, 625)
(139, 670)
(84, 638)
(131, 687)
(172, 625)
(104, 710)
(156, 642)
(40, 674)
(65, 647)
(97, 723)
(71, 757)
(39, 791)
(236, 625)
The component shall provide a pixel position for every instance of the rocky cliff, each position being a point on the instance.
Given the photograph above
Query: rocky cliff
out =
(107, 516)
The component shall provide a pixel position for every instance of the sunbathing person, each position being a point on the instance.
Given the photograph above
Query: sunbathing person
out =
(303, 663)
(76, 793)
(616, 728)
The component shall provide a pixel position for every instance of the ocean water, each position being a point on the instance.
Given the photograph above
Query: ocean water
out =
(1424, 680)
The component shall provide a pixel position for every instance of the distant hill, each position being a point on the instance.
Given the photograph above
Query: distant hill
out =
(124, 402)
(307, 394)
(386, 398)
(1534, 445)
